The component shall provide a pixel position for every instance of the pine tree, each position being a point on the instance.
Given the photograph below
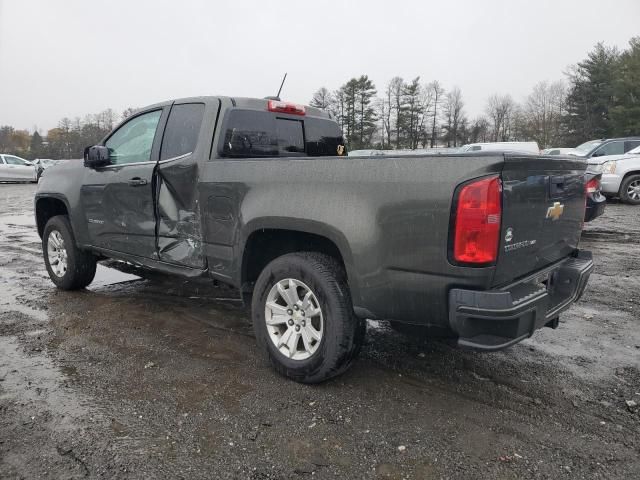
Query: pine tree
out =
(412, 97)
(591, 96)
(625, 115)
(35, 145)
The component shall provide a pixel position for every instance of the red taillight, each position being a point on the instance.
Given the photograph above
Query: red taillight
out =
(592, 185)
(286, 107)
(477, 222)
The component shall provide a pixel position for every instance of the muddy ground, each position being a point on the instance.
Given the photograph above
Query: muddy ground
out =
(153, 377)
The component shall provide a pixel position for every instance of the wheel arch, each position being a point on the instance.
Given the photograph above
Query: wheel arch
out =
(267, 239)
(47, 207)
(625, 176)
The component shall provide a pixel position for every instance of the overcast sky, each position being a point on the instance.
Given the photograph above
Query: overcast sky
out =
(72, 57)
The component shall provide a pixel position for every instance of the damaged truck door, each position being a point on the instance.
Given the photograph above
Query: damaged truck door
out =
(178, 211)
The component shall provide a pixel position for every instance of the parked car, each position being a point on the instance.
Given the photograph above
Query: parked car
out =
(606, 147)
(16, 169)
(557, 151)
(47, 162)
(527, 147)
(366, 153)
(620, 175)
(252, 193)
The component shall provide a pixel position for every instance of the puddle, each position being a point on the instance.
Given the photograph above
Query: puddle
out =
(21, 228)
(18, 300)
(20, 220)
(106, 276)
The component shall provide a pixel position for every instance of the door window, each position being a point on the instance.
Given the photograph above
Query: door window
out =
(132, 142)
(630, 145)
(612, 148)
(11, 160)
(183, 127)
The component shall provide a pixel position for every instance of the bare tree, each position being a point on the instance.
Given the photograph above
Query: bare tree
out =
(382, 108)
(453, 110)
(426, 104)
(499, 110)
(322, 99)
(437, 92)
(543, 111)
(396, 86)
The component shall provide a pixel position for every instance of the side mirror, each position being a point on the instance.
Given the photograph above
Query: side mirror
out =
(96, 156)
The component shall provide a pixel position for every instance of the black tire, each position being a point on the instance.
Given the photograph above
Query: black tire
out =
(343, 331)
(81, 265)
(624, 189)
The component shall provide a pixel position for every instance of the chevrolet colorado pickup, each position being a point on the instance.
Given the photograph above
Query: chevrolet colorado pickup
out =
(482, 247)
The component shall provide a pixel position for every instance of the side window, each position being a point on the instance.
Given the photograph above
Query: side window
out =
(322, 137)
(475, 148)
(249, 134)
(181, 133)
(132, 142)
(630, 145)
(612, 148)
(11, 160)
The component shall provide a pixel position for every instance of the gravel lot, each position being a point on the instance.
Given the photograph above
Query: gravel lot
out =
(157, 377)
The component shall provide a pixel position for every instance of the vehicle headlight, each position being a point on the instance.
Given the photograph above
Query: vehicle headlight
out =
(609, 167)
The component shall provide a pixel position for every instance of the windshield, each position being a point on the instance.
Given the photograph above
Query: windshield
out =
(586, 147)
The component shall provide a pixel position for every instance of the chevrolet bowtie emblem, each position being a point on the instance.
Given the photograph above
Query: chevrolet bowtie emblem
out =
(555, 211)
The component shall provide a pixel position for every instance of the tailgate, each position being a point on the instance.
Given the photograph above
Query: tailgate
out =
(542, 213)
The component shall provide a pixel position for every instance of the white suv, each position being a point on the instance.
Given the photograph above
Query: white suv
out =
(620, 175)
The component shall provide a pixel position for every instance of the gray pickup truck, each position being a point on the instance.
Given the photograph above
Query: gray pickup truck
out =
(480, 247)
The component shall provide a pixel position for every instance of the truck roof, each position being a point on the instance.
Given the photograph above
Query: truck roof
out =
(246, 103)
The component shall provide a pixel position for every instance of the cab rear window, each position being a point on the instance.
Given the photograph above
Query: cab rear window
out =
(250, 134)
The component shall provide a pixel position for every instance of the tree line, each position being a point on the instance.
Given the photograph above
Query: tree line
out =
(600, 97)
(67, 140)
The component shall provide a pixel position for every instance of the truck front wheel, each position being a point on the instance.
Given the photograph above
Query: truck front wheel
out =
(69, 267)
(303, 317)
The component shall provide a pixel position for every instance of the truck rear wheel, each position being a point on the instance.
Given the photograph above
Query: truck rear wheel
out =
(69, 267)
(303, 317)
(630, 190)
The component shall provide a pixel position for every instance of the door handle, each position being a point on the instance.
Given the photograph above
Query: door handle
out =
(556, 185)
(137, 182)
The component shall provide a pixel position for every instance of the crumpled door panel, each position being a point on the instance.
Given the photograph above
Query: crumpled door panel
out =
(179, 231)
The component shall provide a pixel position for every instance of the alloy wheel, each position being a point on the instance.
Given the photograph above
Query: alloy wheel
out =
(57, 253)
(294, 319)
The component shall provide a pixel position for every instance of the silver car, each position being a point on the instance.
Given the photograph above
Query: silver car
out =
(620, 175)
(16, 169)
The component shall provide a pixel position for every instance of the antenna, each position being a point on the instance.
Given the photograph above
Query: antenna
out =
(281, 85)
(277, 97)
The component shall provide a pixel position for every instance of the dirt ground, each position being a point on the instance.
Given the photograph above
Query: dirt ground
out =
(157, 377)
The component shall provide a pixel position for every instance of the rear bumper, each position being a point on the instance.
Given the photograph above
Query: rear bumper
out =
(496, 319)
(596, 204)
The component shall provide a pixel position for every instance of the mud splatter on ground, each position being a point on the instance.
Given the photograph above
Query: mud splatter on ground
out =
(144, 376)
